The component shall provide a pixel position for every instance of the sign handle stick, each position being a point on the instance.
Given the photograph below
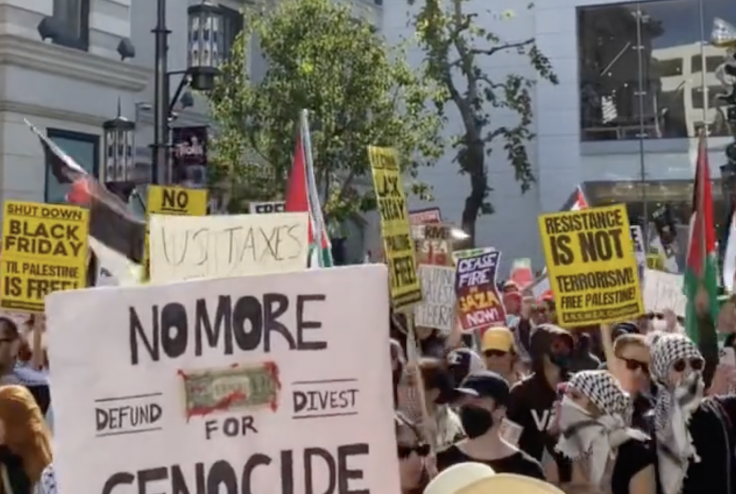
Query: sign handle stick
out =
(412, 357)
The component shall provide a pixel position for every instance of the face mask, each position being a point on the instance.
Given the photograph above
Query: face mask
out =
(561, 361)
(572, 416)
(476, 421)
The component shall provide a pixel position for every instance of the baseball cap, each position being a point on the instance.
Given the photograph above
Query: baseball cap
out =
(497, 338)
(462, 362)
(486, 384)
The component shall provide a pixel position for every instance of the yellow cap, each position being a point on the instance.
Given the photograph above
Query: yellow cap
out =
(498, 338)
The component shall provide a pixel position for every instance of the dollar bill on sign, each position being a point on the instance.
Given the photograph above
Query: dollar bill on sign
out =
(229, 389)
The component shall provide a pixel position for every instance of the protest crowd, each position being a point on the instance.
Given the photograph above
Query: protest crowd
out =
(194, 352)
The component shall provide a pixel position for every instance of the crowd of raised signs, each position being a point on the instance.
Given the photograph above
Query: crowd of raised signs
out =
(570, 382)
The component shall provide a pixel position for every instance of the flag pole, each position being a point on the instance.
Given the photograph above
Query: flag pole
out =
(312, 190)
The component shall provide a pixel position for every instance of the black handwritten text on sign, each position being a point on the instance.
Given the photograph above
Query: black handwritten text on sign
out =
(306, 471)
(247, 322)
(174, 201)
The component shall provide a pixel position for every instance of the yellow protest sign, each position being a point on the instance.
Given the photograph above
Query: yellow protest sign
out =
(44, 250)
(174, 201)
(591, 265)
(395, 228)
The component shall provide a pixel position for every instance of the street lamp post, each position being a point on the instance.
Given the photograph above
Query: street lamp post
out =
(204, 50)
(118, 138)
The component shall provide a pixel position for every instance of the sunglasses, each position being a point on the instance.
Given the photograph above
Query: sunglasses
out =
(695, 364)
(495, 353)
(560, 347)
(404, 452)
(634, 365)
(651, 316)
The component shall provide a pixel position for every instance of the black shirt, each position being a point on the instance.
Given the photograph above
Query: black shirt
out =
(531, 405)
(711, 428)
(519, 463)
(633, 456)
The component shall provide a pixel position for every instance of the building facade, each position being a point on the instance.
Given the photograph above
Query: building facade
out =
(73, 80)
(636, 85)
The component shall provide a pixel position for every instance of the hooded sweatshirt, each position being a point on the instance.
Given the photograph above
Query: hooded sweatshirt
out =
(531, 405)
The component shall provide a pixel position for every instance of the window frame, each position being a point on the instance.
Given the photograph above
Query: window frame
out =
(228, 15)
(68, 39)
(71, 135)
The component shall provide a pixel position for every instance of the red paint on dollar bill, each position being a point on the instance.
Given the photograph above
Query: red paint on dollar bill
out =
(223, 405)
(273, 370)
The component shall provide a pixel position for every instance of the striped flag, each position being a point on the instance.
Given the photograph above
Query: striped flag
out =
(701, 269)
(580, 202)
(111, 224)
(302, 197)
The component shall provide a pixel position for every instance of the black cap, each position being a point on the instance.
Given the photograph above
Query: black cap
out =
(462, 362)
(486, 384)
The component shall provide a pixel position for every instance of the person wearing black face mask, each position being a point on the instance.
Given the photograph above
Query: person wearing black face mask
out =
(482, 409)
(531, 405)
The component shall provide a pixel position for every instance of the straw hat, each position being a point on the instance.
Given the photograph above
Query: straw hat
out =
(478, 478)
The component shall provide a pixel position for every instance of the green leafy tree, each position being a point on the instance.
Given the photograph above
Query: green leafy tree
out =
(359, 93)
(455, 46)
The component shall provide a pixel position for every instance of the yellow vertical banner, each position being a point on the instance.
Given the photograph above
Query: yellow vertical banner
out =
(395, 227)
(591, 265)
(173, 200)
(44, 250)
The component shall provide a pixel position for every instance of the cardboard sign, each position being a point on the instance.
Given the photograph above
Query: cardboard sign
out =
(591, 265)
(437, 310)
(395, 230)
(184, 375)
(664, 291)
(478, 302)
(433, 243)
(266, 207)
(44, 250)
(174, 201)
(190, 247)
(464, 254)
(425, 216)
(637, 239)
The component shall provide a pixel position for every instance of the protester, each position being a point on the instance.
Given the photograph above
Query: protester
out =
(582, 356)
(462, 362)
(531, 404)
(412, 452)
(499, 353)
(595, 433)
(632, 353)
(10, 344)
(439, 393)
(695, 435)
(482, 412)
(25, 451)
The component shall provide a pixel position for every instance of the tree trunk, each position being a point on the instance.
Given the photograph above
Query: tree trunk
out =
(475, 167)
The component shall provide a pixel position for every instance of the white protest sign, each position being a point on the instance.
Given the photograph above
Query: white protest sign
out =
(664, 291)
(254, 384)
(437, 309)
(189, 247)
(266, 207)
(637, 240)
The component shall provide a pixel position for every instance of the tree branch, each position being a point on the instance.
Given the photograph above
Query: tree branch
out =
(496, 49)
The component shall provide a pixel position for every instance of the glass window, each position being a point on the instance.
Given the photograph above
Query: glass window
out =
(84, 148)
(73, 15)
(232, 21)
(647, 70)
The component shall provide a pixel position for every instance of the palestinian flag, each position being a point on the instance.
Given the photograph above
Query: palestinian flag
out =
(302, 197)
(111, 223)
(701, 269)
(580, 202)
